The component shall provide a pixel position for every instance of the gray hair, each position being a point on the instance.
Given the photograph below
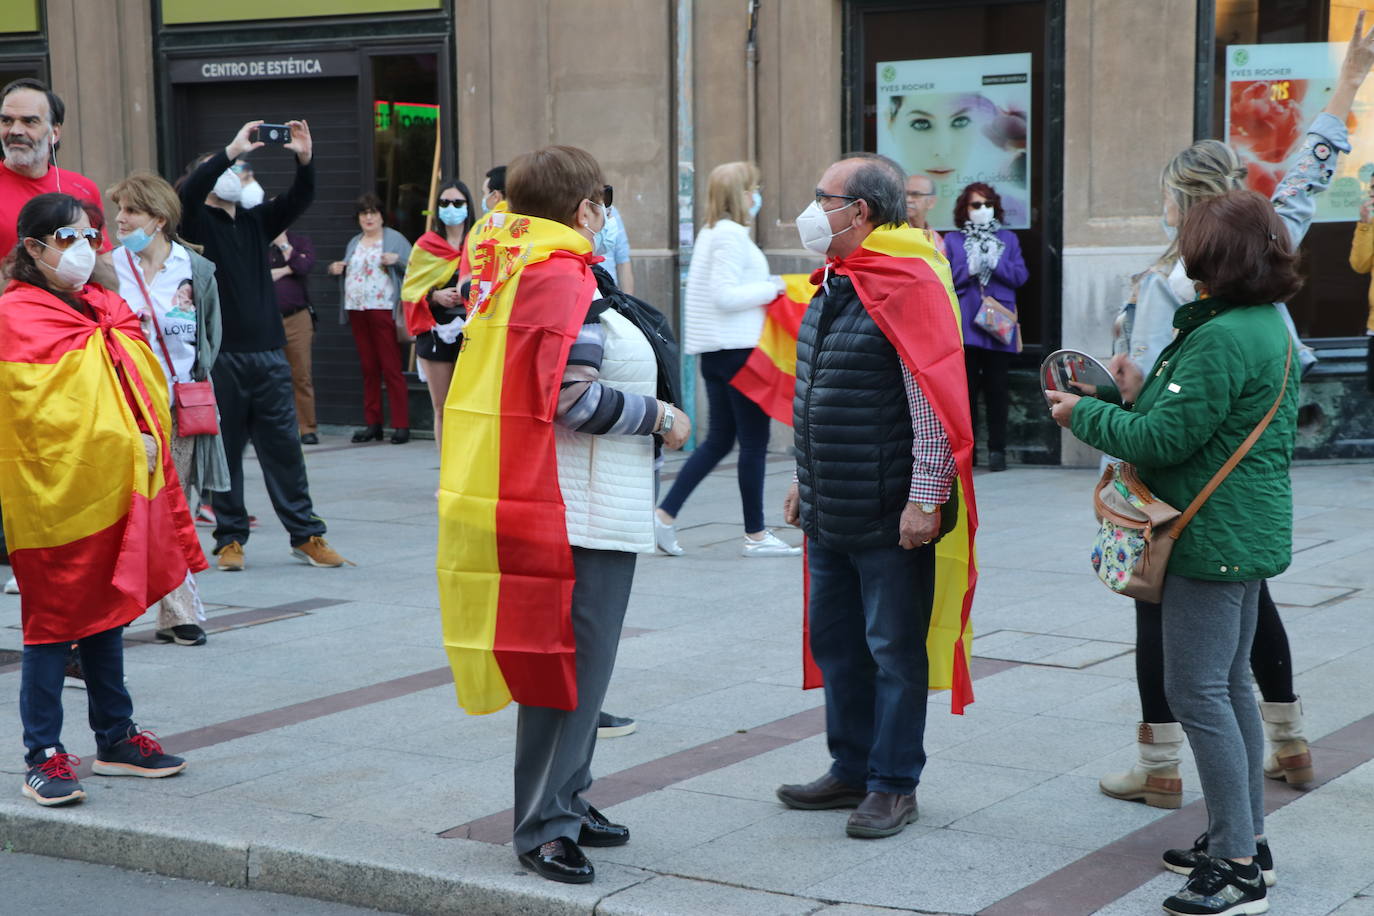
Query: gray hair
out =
(881, 183)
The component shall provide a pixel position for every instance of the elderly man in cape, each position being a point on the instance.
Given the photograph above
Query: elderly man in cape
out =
(879, 474)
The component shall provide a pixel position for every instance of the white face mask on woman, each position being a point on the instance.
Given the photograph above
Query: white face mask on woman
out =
(75, 267)
(228, 188)
(982, 216)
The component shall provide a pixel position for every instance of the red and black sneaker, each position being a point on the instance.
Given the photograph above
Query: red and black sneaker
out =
(51, 781)
(139, 754)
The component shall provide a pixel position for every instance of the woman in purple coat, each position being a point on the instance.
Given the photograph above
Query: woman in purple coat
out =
(985, 260)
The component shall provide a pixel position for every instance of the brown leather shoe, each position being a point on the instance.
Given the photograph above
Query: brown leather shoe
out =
(826, 792)
(882, 814)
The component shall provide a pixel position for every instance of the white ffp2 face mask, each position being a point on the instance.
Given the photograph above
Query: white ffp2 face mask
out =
(75, 267)
(813, 225)
(982, 216)
(228, 188)
(252, 195)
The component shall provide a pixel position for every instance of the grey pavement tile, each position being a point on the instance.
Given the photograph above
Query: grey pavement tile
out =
(667, 896)
(945, 730)
(1064, 811)
(945, 870)
(788, 852)
(1295, 593)
(1040, 743)
(1030, 689)
(1358, 906)
(451, 795)
(663, 824)
(650, 741)
(230, 763)
(952, 790)
(758, 777)
(1323, 839)
(1118, 704)
(741, 706)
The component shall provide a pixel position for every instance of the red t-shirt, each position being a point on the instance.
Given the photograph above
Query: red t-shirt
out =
(16, 190)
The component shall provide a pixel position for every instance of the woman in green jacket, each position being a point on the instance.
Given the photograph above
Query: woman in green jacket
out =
(1227, 365)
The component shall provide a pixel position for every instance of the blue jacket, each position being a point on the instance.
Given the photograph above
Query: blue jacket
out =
(1009, 274)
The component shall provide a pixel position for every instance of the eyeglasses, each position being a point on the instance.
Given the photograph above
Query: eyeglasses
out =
(978, 204)
(66, 237)
(452, 202)
(822, 197)
(919, 194)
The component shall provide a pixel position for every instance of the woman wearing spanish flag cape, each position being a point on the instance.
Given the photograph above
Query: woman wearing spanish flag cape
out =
(546, 496)
(95, 518)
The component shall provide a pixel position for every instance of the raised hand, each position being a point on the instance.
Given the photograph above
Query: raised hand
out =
(243, 141)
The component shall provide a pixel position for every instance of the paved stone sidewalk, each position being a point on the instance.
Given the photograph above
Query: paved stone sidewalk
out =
(329, 759)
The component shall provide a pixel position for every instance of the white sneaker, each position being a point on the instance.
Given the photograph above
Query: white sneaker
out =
(12, 586)
(769, 546)
(665, 536)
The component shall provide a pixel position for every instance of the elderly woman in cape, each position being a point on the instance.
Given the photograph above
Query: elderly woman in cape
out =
(99, 528)
(553, 414)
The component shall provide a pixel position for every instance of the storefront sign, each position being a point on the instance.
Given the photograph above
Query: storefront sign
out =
(403, 114)
(958, 120)
(183, 12)
(1273, 93)
(265, 67)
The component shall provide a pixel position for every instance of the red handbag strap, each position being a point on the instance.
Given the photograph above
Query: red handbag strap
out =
(157, 328)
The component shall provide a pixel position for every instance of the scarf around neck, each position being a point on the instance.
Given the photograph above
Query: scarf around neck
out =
(983, 249)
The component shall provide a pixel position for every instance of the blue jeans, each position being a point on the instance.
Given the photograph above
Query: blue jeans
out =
(40, 692)
(870, 612)
(732, 416)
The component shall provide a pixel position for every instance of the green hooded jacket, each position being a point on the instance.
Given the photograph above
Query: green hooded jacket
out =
(1207, 392)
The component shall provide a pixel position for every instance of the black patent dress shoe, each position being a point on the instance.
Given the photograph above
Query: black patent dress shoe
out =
(368, 433)
(597, 830)
(559, 860)
(309, 439)
(399, 436)
(826, 792)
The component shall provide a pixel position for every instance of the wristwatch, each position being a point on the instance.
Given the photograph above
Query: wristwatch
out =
(928, 508)
(668, 416)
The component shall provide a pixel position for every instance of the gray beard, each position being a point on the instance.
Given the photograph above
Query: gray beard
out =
(26, 157)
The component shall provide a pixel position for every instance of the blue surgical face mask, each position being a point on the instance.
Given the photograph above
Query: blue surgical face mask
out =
(756, 205)
(485, 207)
(453, 216)
(604, 241)
(137, 240)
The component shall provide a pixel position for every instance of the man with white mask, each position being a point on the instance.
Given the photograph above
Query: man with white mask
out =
(252, 377)
(253, 194)
(882, 431)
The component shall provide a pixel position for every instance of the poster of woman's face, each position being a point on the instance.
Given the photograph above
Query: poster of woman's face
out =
(959, 120)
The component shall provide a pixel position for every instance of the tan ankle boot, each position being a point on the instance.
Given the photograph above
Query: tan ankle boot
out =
(1289, 756)
(1155, 779)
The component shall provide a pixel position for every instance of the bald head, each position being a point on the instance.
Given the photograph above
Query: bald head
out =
(864, 192)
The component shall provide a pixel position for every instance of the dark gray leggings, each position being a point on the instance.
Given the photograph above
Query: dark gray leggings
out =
(1208, 629)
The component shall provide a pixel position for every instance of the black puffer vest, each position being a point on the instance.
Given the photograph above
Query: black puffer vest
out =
(852, 425)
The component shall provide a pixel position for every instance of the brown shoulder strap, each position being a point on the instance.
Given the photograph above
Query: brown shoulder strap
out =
(1235, 458)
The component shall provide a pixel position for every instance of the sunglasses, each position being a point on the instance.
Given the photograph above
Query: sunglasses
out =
(978, 204)
(66, 237)
(452, 202)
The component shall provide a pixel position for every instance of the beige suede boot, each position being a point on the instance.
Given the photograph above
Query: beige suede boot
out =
(1289, 757)
(1155, 779)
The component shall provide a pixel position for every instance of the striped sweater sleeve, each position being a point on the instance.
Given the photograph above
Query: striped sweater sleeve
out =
(586, 405)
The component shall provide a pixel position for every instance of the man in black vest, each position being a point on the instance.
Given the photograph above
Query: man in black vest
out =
(874, 467)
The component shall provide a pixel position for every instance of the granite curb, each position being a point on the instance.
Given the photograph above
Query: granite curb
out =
(357, 863)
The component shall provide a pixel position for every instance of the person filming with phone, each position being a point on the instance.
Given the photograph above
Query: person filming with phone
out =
(252, 377)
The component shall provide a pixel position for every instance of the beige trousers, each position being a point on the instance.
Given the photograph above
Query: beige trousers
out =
(183, 605)
(300, 334)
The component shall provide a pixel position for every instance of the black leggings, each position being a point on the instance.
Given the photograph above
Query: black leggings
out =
(1270, 660)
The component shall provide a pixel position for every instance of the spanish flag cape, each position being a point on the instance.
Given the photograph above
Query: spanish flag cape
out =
(905, 285)
(432, 263)
(504, 563)
(94, 538)
(769, 376)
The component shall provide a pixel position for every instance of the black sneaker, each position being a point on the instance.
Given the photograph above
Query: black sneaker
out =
(137, 755)
(183, 634)
(1216, 888)
(1183, 861)
(51, 782)
(609, 726)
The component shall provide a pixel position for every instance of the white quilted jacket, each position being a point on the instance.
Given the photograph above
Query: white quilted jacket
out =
(608, 481)
(728, 286)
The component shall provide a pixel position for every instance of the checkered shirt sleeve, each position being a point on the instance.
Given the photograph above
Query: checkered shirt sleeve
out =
(932, 469)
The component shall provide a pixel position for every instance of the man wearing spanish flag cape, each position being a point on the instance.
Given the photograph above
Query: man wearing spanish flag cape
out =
(884, 471)
(97, 524)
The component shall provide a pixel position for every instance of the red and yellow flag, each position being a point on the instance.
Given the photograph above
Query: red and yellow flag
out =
(94, 537)
(769, 376)
(432, 263)
(504, 563)
(905, 285)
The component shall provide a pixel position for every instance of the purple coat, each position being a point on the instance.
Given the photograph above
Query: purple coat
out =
(1009, 274)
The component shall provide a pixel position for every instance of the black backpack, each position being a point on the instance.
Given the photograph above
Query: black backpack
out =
(653, 324)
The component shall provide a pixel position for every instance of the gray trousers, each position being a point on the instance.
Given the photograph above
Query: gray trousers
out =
(554, 747)
(1208, 629)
